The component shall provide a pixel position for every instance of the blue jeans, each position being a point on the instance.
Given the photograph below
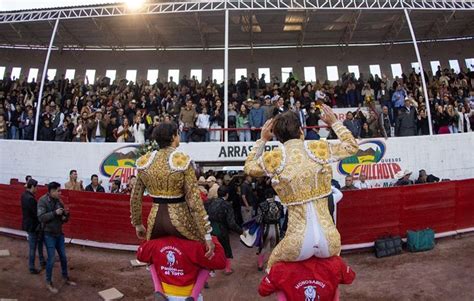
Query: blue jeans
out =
(244, 136)
(453, 129)
(186, 135)
(13, 133)
(55, 243)
(312, 135)
(98, 139)
(35, 241)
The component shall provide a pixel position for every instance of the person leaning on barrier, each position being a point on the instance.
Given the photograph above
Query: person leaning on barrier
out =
(363, 183)
(95, 186)
(349, 184)
(403, 178)
(425, 178)
(73, 184)
(115, 187)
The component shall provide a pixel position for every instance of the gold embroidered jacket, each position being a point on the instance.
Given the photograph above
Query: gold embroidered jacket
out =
(300, 170)
(168, 173)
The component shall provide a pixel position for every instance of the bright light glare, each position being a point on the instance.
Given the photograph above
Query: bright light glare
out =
(134, 4)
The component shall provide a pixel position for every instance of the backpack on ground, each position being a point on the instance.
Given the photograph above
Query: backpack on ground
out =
(388, 246)
(418, 241)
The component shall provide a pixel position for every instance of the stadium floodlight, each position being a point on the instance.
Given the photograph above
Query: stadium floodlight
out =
(134, 4)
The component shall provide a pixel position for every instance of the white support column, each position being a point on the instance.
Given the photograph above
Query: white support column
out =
(226, 76)
(43, 78)
(418, 57)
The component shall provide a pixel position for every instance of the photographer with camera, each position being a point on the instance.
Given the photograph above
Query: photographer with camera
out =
(52, 215)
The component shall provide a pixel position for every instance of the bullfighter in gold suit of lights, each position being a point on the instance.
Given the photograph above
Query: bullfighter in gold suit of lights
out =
(301, 175)
(170, 180)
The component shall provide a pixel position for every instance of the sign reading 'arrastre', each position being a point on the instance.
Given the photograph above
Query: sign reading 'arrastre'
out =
(239, 151)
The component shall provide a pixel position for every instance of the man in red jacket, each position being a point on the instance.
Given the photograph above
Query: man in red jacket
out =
(314, 279)
(178, 263)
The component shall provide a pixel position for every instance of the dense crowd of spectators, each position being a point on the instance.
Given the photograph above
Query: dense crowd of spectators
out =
(122, 111)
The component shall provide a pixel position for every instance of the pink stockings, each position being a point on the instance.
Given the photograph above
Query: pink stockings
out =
(199, 284)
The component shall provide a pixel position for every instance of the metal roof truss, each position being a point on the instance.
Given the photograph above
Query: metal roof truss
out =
(206, 6)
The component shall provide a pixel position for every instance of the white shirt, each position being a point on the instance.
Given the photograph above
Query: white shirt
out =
(97, 131)
(79, 131)
(139, 133)
(122, 137)
(61, 118)
(464, 118)
(292, 101)
(320, 94)
(365, 185)
(337, 197)
(74, 117)
(202, 121)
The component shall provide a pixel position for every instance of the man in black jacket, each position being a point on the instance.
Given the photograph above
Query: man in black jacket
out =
(95, 186)
(31, 225)
(46, 133)
(52, 215)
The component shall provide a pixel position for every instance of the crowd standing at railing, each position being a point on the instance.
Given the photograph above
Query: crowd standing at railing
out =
(122, 111)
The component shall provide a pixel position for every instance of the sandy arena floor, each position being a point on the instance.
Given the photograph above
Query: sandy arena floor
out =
(446, 273)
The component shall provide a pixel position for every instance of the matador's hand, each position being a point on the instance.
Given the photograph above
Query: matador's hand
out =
(141, 231)
(267, 130)
(210, 249)
(328, 116)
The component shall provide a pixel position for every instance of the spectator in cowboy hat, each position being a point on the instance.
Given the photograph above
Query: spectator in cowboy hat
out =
(403, 178)
(27, 178)
(202, 184)
(213, 187)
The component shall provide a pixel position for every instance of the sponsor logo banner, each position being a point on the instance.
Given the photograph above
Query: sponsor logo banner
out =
(120, 164)
(371, 160)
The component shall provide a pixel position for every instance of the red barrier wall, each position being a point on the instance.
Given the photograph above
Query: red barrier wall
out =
(102, 217)
(363, 215)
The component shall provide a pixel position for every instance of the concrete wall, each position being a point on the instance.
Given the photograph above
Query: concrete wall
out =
(214, 59)
(51, 161)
